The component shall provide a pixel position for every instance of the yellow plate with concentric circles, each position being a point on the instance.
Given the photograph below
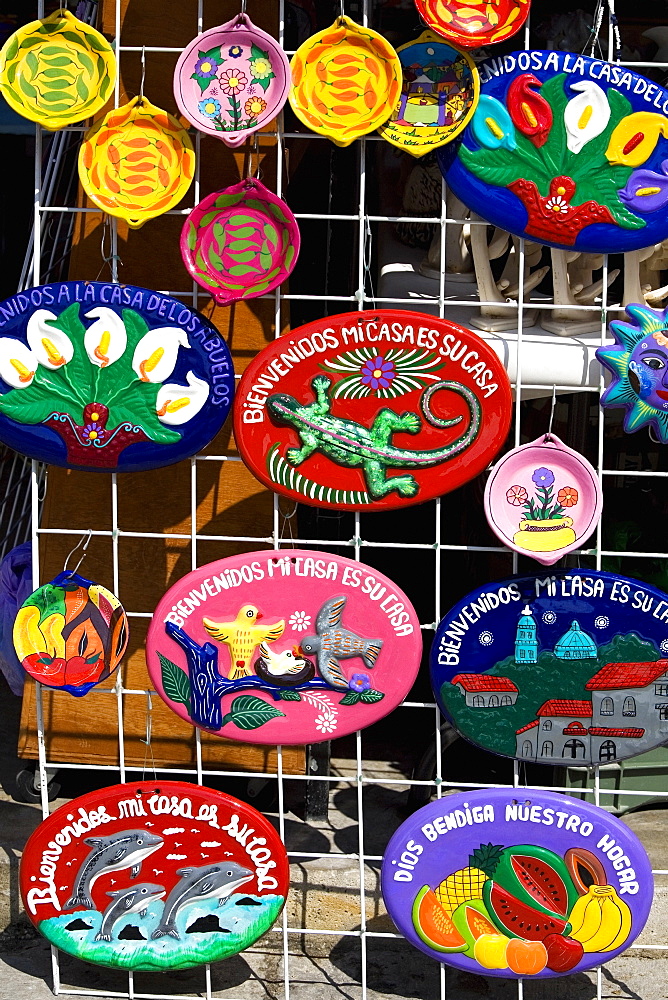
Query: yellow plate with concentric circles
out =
(57, 71)
(137, 162)
(346, 81)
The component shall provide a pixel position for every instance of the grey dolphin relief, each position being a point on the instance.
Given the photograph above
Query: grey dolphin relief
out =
(135, 899)
(334, 642)
(111, 854)
(197, 884)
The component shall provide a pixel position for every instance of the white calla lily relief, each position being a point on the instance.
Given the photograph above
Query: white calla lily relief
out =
(105, 340)
(586, 115)
(155, 354)
(176, 404)
(18, 363)
(52, 347)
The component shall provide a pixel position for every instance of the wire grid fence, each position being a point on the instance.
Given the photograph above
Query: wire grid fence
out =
(360, 776)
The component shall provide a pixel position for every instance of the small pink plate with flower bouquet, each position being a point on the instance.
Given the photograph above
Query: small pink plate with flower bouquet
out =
(240, 242)
(543, 499)
(232, 80)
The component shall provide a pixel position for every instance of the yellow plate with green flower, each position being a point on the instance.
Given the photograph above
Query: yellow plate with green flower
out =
(57, 71)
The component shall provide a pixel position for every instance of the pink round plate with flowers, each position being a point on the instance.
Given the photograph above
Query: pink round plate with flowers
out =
(232, 80)
(240, 242)
(543, 499)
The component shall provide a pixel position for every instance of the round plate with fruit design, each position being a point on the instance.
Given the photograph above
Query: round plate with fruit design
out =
(240, 242)
(154, 875)
(57, 71)
(474, 23)
(108, 377)
(232, 80)
(517, 883)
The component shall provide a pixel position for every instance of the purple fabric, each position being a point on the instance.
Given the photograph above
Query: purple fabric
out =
(15, 586)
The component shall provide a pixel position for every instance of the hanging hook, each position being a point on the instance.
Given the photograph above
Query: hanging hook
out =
(87, 536)
(143, 74)
(106, 226)
(554, 403)
(342, 13)
(243, 6)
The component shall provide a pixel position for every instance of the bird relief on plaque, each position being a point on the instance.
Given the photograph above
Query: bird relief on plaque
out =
(290, 646)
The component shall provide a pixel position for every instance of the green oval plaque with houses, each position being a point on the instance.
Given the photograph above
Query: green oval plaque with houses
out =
(570, 668)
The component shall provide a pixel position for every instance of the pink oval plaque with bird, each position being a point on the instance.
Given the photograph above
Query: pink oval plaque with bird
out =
(289, 646)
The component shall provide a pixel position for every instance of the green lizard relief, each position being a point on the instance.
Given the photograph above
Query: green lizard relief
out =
(353, 446)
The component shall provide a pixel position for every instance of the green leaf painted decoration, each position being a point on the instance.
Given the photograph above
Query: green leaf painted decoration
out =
(175, 682)
(249, 712)
(287, 695)
(351, 698)
(370, 697)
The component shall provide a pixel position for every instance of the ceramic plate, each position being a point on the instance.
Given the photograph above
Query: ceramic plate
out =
(565, 669)
(346, 80)
(474, 23)
(517, 883)
(543, 499)
(438, 95)
(154, 875)
(240, 242)
(57, 71)
(232, 80)
(291, 646)
(70, 633)
(137, 162)
(109, 378)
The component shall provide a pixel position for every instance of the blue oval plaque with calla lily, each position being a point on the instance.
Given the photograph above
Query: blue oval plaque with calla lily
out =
(108, 377)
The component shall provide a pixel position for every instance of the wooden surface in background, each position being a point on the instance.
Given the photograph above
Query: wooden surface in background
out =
(229, 500)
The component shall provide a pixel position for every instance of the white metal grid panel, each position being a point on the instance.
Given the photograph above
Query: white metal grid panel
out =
(363, 866)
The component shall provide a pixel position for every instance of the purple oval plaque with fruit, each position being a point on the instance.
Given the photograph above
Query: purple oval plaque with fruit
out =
(517, 883)
(240, 242)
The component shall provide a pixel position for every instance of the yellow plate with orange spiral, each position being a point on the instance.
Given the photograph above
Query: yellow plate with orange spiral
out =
(346, 81)
(137, 162)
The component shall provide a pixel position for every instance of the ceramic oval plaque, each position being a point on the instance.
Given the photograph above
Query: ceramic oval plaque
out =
(638, 362)
(566, 150)
(109, 378)
(372, 410)
(137, 162)
(474, 23)
(438, 95)
(346, 81)
(154, 875)
(85, 65)
(70, 633)
(543, 499)
(568, 669)
(516, 882)
(232, 80)
(291, 646)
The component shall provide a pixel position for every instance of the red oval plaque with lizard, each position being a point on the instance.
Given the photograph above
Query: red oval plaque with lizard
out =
(372, 410)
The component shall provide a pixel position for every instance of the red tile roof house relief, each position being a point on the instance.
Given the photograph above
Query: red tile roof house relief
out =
(628, 711)
(483, 691)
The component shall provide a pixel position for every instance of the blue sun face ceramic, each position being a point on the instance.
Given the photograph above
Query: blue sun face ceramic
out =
(639, 365)
(109, 377)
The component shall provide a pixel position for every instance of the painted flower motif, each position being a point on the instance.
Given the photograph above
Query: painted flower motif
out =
(557, 204)
(586, 115)
(543, 477)
(646, 191)
(254, 106)
(602, 621)
(235, 51)
(18, 363)
(105, 340)
(516, 495)
(568, 496)
(325, 724)
(299, 621)
(359, 682)
(232, 81)
(377, 372)
(206, 66)
(52, 347)
(485, 638)
(492, 125)
(635, 137)
(176, 404)
(155, 354)
(209, 107)
(260, 68)
(93, 432)
(530, 112)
